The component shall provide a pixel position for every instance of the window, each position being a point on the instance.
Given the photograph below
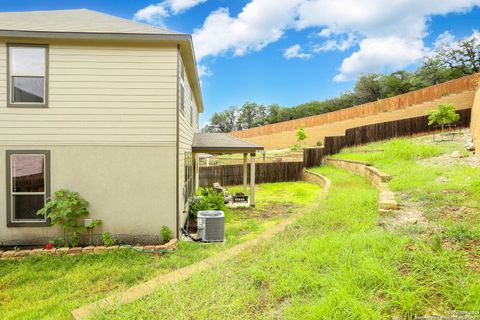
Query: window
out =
(182, 88)
(27, 187)
(192, 110)
(188, 186)
(27, 75)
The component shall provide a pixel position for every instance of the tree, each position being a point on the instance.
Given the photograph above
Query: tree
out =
(395, 83)
(225, 121)
(463, 56)
(443, 115)
(301, 135)
(368, 88)
(251, 115)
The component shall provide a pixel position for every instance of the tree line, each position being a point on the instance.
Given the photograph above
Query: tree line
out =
(446, 63)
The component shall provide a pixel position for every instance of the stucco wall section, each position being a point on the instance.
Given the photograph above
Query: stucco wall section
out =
(129, 188)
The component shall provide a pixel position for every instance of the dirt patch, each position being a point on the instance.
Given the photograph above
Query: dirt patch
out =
(447, 160)
(268, 211)
(409, 214)
(457, 214)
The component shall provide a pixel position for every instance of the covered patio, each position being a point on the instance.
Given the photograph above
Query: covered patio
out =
(220, 143)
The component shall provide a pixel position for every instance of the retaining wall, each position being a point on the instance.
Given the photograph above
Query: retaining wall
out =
(386, 198)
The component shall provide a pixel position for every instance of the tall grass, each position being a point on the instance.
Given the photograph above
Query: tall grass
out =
(335, 263)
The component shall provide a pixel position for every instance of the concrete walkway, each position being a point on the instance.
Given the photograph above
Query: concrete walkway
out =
(146, 288)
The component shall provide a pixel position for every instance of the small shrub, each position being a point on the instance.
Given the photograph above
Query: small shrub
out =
(108, 239)
(165, 234)
(210, 199)
(65, 208)
(295, 147)
(443, 115)
(319, 143)
(301, 135)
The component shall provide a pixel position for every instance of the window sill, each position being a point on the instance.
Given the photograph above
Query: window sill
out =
(26, 105)
(28, 224)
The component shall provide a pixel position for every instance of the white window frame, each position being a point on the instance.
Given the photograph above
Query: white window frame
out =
(10, 76)
(11, 219)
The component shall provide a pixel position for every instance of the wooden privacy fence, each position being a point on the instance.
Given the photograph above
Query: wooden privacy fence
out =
(230, 175)
(386, 130)
(390, 104)
(375, 132)
(313, 157)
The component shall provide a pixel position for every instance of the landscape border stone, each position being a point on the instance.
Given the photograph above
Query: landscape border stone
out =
(15, 254)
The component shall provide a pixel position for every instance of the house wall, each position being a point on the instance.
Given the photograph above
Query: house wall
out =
(111, 128)
(187, 128)
(128, 187)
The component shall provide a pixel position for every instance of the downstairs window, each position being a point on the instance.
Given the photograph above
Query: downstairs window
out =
(27, 187)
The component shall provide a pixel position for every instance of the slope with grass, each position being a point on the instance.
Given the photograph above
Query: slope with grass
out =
(50, 287)
(337, 261)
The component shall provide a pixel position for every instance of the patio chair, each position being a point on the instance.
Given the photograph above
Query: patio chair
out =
(226, 197)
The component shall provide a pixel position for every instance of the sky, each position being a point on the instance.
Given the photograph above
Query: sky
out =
(292, 51)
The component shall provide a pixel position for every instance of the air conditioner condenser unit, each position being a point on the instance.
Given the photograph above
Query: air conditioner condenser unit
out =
(211, 226)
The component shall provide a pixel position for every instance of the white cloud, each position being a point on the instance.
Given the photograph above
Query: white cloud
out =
(153, 14)
(156, 13)
(294, 52)
(379, 55)
(260, 23)
(389, 33)
(444, 39)
(337, 45)
(203, 71)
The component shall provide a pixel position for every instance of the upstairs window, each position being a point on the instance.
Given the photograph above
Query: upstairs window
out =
(27, 187)
(27, 69)
(182, 89)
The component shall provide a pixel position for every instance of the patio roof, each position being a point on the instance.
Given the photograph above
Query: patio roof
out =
(222, 143)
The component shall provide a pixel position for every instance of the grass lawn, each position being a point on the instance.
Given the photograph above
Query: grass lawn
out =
(50, 287)
(337, 262)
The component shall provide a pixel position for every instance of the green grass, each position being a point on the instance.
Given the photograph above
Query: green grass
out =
(49, 287)
(334, 263)
(438, 188)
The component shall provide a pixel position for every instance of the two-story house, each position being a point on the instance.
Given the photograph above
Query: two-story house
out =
(100, 105)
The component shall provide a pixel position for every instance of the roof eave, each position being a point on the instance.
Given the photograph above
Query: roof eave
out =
(94, 35)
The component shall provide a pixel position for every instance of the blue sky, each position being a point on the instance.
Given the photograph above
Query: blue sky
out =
(292, 51)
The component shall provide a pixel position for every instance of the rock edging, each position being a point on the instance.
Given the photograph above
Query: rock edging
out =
(386, 198)
(318, 179)
(156, 249)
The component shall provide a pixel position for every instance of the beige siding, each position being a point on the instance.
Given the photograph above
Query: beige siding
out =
(186, 132)
(105, 94)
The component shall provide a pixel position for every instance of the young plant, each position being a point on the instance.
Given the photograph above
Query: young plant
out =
(301, 135)
(443, 115)
(108, 239)
(65, 208)
(165, 234)
(90, 225)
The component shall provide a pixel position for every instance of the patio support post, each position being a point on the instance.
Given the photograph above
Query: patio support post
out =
(252, 179)
(245, 173)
